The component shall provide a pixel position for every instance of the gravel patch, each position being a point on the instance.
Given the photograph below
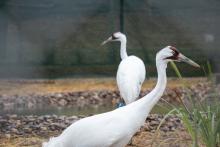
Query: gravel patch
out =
(100, 98)
(14, 125)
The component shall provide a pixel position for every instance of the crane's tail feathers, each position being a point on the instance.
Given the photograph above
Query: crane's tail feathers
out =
(132, 93)
(45, 144)
(53, 142)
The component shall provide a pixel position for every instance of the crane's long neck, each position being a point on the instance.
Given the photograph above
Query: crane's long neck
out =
(123, 51)
(148, 101)
(157, 92)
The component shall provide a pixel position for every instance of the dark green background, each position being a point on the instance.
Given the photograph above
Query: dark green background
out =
(53, 38)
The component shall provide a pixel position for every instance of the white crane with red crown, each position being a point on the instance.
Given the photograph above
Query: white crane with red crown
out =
(116, 128)
(131, 71)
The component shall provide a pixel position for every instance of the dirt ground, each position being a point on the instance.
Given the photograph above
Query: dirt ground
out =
(25, 87)
(177, 138)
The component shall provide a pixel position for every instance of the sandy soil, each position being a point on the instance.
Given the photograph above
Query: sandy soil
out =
(177, 138)
(24, 87)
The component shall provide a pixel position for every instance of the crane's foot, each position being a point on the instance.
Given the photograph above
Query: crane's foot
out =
(120, 104)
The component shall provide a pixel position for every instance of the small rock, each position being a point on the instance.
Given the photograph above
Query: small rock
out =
(8, 136)
(62, 102)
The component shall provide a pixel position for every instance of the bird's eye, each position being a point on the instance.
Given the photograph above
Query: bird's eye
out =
(175, 53)
(174, 50)
(113, 37)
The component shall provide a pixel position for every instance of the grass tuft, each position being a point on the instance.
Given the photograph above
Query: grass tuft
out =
(202, 119)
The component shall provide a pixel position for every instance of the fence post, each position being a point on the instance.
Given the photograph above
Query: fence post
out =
(122, 16)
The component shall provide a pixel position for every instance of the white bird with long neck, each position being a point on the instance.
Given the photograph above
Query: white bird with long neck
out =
(115, 128)
(131, 71)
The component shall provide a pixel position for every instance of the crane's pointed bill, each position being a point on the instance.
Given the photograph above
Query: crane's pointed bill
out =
(187, 60)
(106, 41)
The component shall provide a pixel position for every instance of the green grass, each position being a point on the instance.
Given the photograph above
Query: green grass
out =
(202, 117)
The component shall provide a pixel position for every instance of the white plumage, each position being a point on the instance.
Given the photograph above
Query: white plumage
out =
(115, 128)
(131, 71)
(130, 77)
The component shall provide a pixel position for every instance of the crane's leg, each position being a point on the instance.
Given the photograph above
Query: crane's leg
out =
(121, 103)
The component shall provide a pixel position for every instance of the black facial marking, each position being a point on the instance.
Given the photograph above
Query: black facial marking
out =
(175, 54)
(113, 37)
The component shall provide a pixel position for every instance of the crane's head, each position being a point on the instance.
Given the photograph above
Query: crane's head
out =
(170, 53)
(118, 36)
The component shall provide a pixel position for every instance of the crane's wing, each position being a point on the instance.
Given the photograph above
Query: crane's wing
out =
(130, 77)
(114, 128)
(104, 130)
